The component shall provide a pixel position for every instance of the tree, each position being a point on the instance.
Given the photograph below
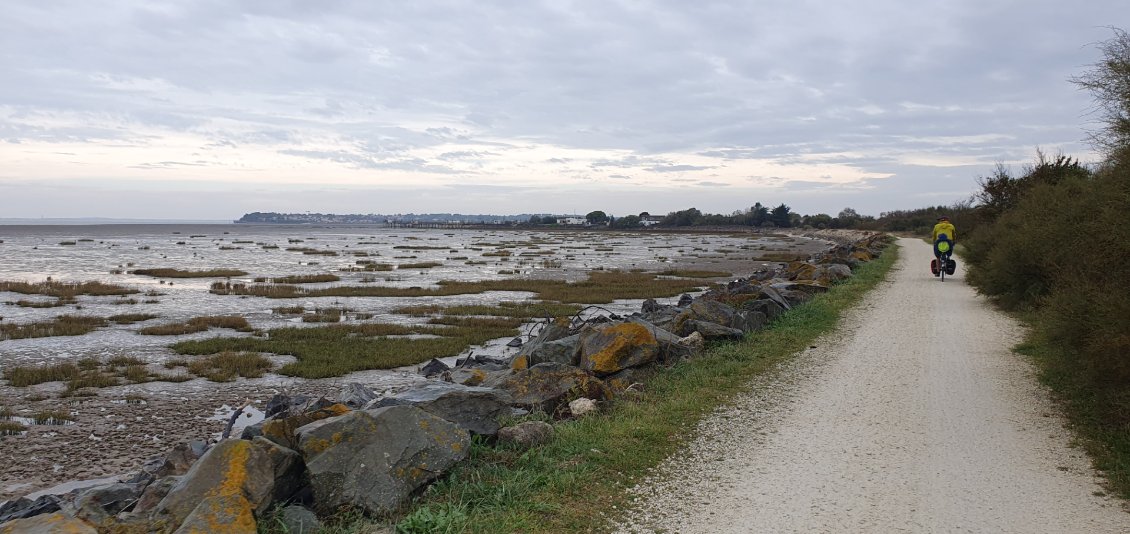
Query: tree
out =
(780, 216)
(1109, 83)
(687, 217)
(596, 217)
(627, 221)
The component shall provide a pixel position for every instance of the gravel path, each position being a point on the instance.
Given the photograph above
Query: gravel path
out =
(913, 417)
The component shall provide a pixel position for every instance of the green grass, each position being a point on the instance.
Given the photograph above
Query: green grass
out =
(25, 375)
(66, 290)
(1089, 409)
(336, 350)
(688, 273)
(583, 475)
(130, 318)
(503, 309)
(197, 324)
(306, 279)
(601, 287)
(226, 366)
(63, 325)
(178, 273)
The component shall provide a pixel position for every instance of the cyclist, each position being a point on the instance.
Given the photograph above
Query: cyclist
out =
(945, 237)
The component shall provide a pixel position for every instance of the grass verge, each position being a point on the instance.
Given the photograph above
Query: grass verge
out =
(1099, 416)
(584, 474)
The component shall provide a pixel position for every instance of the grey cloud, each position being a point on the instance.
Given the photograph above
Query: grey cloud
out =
(677, 168)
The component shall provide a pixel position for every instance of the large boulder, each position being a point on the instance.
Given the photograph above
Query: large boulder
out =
(565, 351)
(154, 493)
(475, 409)
(53, 523)
(671, 347)
(281, 431)
(768, 308)
(375, 459)
(552, 331)
(225, 512)
(99, 504)
(546, 385)
(527, 435)
(355, 395)
(23, 507)
(235, 479)
(711, 331)
(612, 347)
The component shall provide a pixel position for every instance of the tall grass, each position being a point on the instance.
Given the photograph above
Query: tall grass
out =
(66, 290)
(197, 324)
(178, 273)
(63, 325)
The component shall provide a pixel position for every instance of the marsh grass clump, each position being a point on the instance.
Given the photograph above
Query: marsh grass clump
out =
(306, 279)
(66, 290)
(89, 380)
(52, 417)
(690, 273)
(227, 365)
(288, 310)
(67, 243)
(198, 324)
(178, 273)
(6, 413)
(336, 350)
(63, 325)
(420, 265)
(324, 315)
(130, 318)
(601, 287)
(312, 251)
(40, 304)
(10, 428)
(526, 310)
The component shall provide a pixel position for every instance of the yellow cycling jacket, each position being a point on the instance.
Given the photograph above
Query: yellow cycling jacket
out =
(945, 227)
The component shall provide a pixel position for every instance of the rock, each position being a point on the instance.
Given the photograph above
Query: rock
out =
(670, 350)
(748, 321)
(281, 431)
(663, 317)
(287, 466)
(712, 311)
(99, 504)
(481, 362)
(355, 395)
(546, 386)
(52, 523)
(234, 479)
(767, 307)
(695, 342)
(527, 435)
(685, 300)
(299, 520)
(281, 405)
(23, 507)
(374, 459)
(473, 377)
(650, 306)
(612, 347)
(230, 513)
(582, 406)
(514, 343)
(435, 367)
(552, 331)
(474, 409)
(712, 331)
(634, 376)
(564, 351)
(154, 493)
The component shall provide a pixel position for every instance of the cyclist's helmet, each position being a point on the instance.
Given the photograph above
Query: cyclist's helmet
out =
(943, 218)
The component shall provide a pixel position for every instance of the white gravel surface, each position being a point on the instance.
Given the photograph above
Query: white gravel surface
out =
(913, 417)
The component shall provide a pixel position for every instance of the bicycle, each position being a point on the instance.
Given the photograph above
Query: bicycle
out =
(943, 262)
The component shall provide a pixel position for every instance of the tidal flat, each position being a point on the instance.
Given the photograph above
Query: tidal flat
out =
(148, 295)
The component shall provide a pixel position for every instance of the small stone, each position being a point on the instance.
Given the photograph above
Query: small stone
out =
(580, 407)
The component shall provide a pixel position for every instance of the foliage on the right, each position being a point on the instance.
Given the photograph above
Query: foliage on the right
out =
(1054, 242)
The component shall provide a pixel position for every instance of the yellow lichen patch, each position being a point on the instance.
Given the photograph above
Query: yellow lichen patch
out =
(628, 336)
(316, 445)
(55, 522)
(861, 255)
(476, 378)
(520, 363)
(229, 514)
(235, 470)
(457, 446)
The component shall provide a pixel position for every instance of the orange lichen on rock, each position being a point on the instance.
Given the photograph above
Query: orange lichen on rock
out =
(520, 363)
(222, 513)
(53, 523)
(628, 342)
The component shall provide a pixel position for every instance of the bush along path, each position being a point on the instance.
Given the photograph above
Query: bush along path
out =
(543, 442)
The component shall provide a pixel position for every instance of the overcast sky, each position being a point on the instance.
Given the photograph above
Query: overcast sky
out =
(210, 109)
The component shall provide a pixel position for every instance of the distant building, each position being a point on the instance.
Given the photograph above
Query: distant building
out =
(650, 221)
(572, 221)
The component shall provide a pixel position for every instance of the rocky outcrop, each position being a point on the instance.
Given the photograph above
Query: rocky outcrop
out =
(612, 347)
(527, 435)
(374, 459)
(546, 386)
(475, 409)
